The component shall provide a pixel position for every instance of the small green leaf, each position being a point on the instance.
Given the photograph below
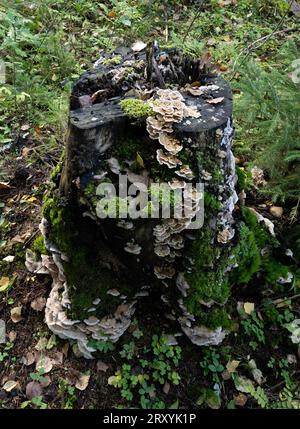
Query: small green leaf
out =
(175, 405)
(140, 160)
(6, 284)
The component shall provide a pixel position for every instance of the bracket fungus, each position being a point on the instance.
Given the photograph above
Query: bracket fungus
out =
(166, 158)
(171, 144)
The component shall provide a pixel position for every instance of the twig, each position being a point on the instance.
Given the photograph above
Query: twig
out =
(294, 212)
(30, 238)
(262, 39)
(158, 73)
(252, 46)
(193, 20)
(283, 382)
(279, 301)
(40, 157)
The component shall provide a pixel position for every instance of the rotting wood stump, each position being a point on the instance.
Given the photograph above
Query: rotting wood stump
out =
(139, 120)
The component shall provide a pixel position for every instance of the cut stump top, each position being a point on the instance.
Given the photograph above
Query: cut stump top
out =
(176, 71)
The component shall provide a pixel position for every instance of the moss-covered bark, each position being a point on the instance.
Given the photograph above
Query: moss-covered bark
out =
(106, 264)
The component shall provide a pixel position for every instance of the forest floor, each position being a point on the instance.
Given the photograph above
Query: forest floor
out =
(47, 46)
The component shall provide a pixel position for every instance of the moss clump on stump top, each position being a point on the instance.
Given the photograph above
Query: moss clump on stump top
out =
(115, 60)
(136, 109)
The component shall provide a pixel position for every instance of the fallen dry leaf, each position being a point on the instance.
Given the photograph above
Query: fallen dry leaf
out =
(7, 283)
(243, 384)
(240, 399)
(41, 344)
(166, 388)
(232, 366)
(51, 342)
(28, 199)
(28, 359)
(112, 14)
(211, 41)
(4, 282)
(9, 258)
(2, 331)
(33, 389)
(248, 307)
(26, 151)
(82, 382)
(72, 375)
(295, 8)
(65, 349)
(11, 385)
(138, 46)
(292, 359)
(46, 381)
(223, 3)
(280, 303)
(276, 211)
(58, 358)
(226, 375)
(18, 239)
(256, 373)
(44, 363)
(101, 366)
(216, 100)
(4, 185)
(38, 304)
(12, 335)
(15, 314)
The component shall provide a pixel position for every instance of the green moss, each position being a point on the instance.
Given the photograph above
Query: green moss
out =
(244, 180)
(184, 157)
(128, 149)
(209, 164)
(273, 270)
(58, 168)
(135, 108)
(90, 193)
(246, 255)
(161, 173)
(214, 317)
(217, 175)
(60, 219)
(39, 246)
(262, 236)
(116, 59)
(207, 281)
(253, 237)
(206, 286)
(211, 204)
(87, 280)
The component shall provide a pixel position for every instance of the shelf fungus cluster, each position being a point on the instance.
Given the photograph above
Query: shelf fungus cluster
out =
(110, 327)
(153, 118)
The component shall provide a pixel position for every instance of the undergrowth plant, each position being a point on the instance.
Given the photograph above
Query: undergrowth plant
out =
(155, 368)
(267, 111)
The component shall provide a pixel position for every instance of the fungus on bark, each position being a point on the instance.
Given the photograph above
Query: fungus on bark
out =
(102, 266)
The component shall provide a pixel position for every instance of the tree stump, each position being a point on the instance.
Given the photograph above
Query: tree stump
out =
(150, 118)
